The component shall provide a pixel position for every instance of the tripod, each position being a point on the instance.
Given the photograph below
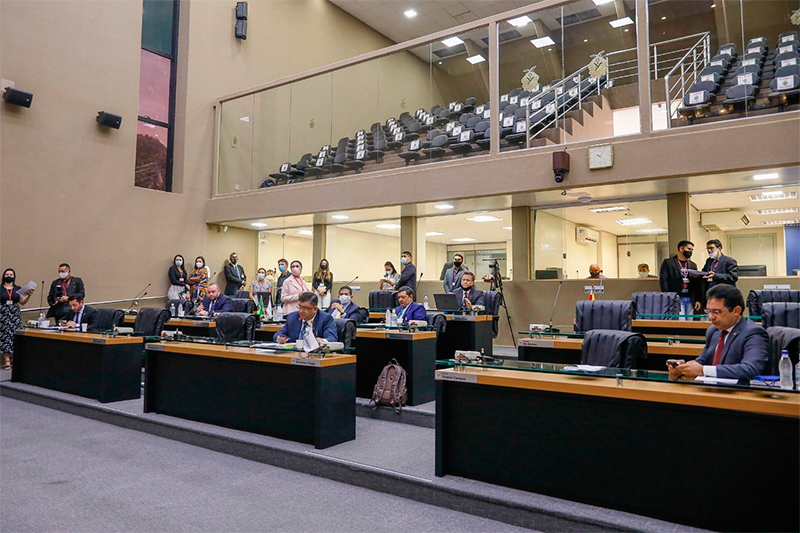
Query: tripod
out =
(497, 285)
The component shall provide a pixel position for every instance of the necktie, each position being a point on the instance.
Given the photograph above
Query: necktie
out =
(720, 345)
(211, 307)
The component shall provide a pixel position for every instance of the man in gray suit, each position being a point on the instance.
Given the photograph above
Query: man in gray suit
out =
(452, 278)
(736, 348)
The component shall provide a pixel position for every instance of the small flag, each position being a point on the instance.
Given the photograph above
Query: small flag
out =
(269, 308)
(260, 308)
(591, 296)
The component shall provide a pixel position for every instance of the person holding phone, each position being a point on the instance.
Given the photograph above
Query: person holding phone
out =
(10, 300)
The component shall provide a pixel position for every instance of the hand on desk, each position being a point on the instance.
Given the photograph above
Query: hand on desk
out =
(200, 310)
(282, 340)
(684, 370)
(467, 303)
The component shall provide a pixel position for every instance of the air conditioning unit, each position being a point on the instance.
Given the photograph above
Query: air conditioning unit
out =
(586, 235)
(724, 220)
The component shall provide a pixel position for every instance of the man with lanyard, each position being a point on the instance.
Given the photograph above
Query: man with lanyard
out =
(408, 310)
(452, 278)
(720, 268)
(61, 289)
(283, 276)
(676, 276)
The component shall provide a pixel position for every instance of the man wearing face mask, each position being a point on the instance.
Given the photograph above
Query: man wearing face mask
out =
(61, 289)
(452, 278)
(644, 271)
(678, 274)
(408, 277)
(283, 275)
(720, 268)
(344, 306)
(234, 276)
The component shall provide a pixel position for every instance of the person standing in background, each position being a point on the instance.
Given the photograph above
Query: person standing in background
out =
(408, 277)
(292, 288)
(675, 276)
(322, 283)
(283, 275)
(720, 268)
(644, 271)
(61, 289)
(234, 276)
(198, 280)
(260, 287)
(10, 314)
(389, 280)
(178, 279)
(452, 278)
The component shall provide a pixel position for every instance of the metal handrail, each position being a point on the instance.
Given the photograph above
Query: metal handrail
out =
(134, 302)
(704, 45)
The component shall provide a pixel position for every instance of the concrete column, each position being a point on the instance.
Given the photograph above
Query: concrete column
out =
(494, 87)
(408, 237)
(678, 224)
(319, 246)
(643, 52)
(521, 243)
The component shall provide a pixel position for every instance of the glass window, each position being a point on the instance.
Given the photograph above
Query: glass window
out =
(151, 156)
(154, 78)
(157, 18)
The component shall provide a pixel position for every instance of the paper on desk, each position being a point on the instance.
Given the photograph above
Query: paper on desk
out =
(723, 381)
(310, 342)
(585, 368)
(273, 345)
(28, 286)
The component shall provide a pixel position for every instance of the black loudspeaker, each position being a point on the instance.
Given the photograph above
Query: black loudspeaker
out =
(109, 119)
(16, 97)
(241, 29)
(241, 10)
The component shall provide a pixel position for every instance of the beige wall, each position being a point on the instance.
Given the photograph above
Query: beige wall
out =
(358, 253)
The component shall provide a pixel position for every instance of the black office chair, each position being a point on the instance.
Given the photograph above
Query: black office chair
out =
(436, 321)
(657, 303)
(604, 314)
(243, 305)
(756, 298)
(784, 314)
(346, 331)
(383, 299)
(150, 321)
(493, 301)
(108, 319)
(782, 338)
(613, 348)
(363, 315)
(242, 294)
(236, 326)
(188, 306)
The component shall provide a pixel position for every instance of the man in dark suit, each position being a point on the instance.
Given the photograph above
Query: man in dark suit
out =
(344, 306)
(721, 268)
(234, 276)
(215, 303)
(61, 289)
(408, 276)
(736, 348)
(408, 310)
(467, 294)
(452, 277)
(675, 277)
(283, 269)
(307, 315)
(80, 314)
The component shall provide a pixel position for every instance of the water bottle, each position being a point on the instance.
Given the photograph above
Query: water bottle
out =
(797, 376)
(388, 317)
(393, 319)
(278, 314)
(425, 304)
(172, 311)
(40, 323)
(181, 311)
(785, 370)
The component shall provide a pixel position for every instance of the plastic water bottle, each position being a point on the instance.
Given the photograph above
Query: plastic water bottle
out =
(181, 312)
(278, 314)
(40, 323)
(425, 304)
(172, 311)
(785, 370)
(388, 317)
(797, 376)
(393, 319)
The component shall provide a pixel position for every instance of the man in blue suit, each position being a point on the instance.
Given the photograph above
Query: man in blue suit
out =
(344, 306)
(308, 315)
(215, 303)
(736, 348)
(408, 310)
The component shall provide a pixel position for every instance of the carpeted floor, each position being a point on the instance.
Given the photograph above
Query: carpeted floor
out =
(60, 472)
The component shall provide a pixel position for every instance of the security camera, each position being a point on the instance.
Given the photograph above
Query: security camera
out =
(560, 165)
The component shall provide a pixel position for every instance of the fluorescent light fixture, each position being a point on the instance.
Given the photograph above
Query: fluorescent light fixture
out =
(476, 59)
(339, 217)
(452, 41)
(610, 209)
(434, 233)
(779, 222)
(258, 224)
(410, 13)
(713, 6)
(651, 230)
(762, 177)
(388, 226)
(773, 195)
(624, 21)
(541, 42)
(601, 2)
(443, 206)
(305, 232)
(464, 239)
(245, 119)
(518, 22)
(483, 218)
(778, 211)
(633, 221)
(509, 228)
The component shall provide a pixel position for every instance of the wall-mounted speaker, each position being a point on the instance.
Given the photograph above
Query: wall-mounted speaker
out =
(109, 119)
(241, 29)
(241, 10)
(16, 97)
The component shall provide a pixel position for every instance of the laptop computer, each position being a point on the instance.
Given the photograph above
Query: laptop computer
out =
(446, 302)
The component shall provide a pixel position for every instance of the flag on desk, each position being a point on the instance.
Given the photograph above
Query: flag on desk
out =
(591, 295)
(260, 308)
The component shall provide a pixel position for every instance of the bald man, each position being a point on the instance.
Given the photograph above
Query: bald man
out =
(215, 303)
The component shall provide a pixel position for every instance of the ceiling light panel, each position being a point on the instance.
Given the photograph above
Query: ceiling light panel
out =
(633, 221)
(388, 226)
(518, 22)
(484, 218)
(779, 222)
(476, 59)
(762, 177)
(463, 239)
(542, 42)
(410, 13)
(773, 195)
(778, 211)
(452, 41)
(624, 21)
(610, 209)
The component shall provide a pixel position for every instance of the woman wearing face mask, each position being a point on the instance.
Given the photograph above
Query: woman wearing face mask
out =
(260, 286)
(9, 314)
(198, 279)
(389, 279)
(292, 288)
(178, 278)
(322, 283)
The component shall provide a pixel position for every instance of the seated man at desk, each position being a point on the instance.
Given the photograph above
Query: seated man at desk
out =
(344, 307)
(467, 294)
(79, 313)
(408, 310)
(215, 303)
(307, 315)
(736, 347)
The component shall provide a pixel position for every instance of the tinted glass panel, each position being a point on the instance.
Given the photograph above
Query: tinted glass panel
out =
(151, 156)
(154, 79)
(157, 26)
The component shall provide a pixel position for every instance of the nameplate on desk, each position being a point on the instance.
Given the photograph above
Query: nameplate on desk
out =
(457, 376)
(98, 341)
(301, 361)
(157, 347)
(777, 287)
(537, 343)
(462, 318)
(599, 289)
(399, 336)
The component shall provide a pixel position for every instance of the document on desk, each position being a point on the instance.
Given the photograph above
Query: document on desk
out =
(717, 381)
(585, 368)
(28, 286)
(274, 346)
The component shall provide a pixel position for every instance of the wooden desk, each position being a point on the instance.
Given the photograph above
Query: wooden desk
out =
(304, 400)
(669, 328)
(416, 353)
(188, 326)
(691, 454)
(108, 369)
(465, 332)
(568, 351)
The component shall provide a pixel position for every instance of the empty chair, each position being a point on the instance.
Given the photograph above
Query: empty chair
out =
(729, 50)
(787, 37)
(412, 152)
(785, 86)
(786, 60)
(473, 121)
(739, 97)
(283, 173)
(747, 75)
(346, 331)
(464, 144)
(412, 130)
(464, 118)
(469, 104)
(436, 321)
(519, 133)
(357, 162)
(242, 294)
(320, 166)
(756, 298)
(718, 71)
(657, 303)
(301, 165)
(236, 326)
(785, 314)
(397, 141)
(752, 59)
(781, 338)
(150, 321)
(604, 314)
(243, 305)
(697, 102)
(377, 153)
(429, 137)
(339, 160)
(720, 60)
(613, 348)
(380, 300)
(438, 147)
(482, 138)
(188, 306)
(107, 320)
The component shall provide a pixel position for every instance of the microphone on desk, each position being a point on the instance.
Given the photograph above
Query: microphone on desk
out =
(138, 296)
(351, 281)
(558, 293)
(41, 296)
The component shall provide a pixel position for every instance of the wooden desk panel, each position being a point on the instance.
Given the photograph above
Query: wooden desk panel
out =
(78, 336)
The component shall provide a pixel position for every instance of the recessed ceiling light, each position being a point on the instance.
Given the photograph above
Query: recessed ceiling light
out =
(633, 221)
(440, 62)
(778, 211)
(601, 2)
(410, 13)
(463, 239)
(434, 233)
(624, 21)
(483, 218)
(713, 6)
(340, 217)
(476, 59)
(779, 222)
(388, 226)
(509, 228)
(663, 18)
(610, 209)
(586, 40)
(762, 177)
(541, 42)
(305, 232)
(518, 22)
(627, 30)
(652, 230)
(443, 206)
(773, 195)
(452, 41)
(258, 224)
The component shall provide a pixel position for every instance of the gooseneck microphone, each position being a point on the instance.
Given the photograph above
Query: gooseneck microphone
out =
(558, 293)
(138, 296)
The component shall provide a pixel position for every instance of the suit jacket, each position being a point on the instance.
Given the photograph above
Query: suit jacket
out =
(324, 327)
(475, 296)
(744, 354)
(415, 311)
(278, 284)
(222, 305)
(726, 271)
(235, 277)
(671, 279)
(448, 279)
(408, 277)
(57, 309)
(351, 310)
(89, 316)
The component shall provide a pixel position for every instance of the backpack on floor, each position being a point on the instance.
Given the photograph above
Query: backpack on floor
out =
(391, 387)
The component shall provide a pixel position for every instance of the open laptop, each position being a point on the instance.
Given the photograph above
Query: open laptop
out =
(446, 302)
